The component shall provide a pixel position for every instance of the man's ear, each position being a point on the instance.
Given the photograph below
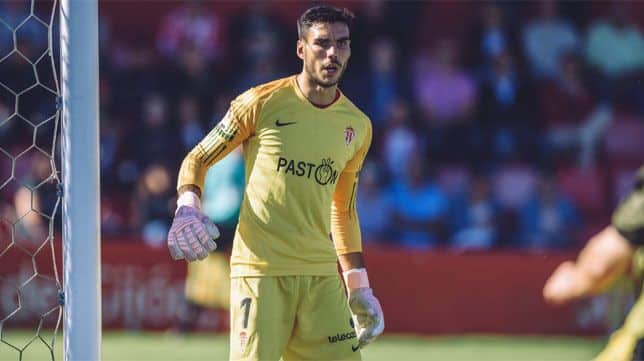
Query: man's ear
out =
(300, 49)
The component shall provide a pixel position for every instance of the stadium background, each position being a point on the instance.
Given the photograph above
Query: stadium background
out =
(504, 135)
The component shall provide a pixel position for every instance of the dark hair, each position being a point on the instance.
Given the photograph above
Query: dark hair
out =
(323, 14)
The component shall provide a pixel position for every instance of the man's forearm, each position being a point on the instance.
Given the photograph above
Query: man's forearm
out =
(604, 259)
(350, 261)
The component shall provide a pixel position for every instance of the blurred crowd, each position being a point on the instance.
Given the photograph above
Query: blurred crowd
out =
(496, 124)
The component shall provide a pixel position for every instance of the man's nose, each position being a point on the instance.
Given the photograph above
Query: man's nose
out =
(332, 52)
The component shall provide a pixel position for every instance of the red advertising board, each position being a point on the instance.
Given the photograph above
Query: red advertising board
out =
(421, 292)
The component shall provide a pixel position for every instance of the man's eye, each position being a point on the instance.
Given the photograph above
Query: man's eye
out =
(323, 43)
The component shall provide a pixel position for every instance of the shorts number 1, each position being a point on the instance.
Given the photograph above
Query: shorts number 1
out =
(245, 304)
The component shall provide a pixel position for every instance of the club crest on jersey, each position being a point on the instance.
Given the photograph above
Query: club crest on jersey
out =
(243, 340)
(349, 134)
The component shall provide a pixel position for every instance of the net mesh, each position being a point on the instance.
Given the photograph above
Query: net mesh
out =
(30, 287)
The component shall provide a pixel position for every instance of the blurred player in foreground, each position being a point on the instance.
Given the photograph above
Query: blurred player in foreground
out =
(602, 261)
(304, 144)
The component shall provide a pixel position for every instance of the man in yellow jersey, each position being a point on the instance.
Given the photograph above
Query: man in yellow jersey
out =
(605, 258)
(304, 144)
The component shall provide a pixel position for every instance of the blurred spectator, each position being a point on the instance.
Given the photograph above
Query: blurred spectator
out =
(490, 37)
(44, 183)
(567, 98)
(420, 207)
(615, 48)
(508, 111)
(223, 193)
(446, 93)
(372, 22)
(447, 96)
(546, 38)
(454, 179)
(255, 39)
(16, 73)
(156, 133)
(7, 215)
(30, 228)
(220, 104)
(549, 219)
(615, 45)
(514, 184)
(400, 142)
(574, 120)
(375, 87)
(133, 72)
(6, 36)
(4, 114)
(31, 35)
(148, 142)
(192, 74)
(113, 217)
(375, 206)
(191, 25)
(475, 217)
(152, 205)
(110, 143)
(260, 71)
(259, 41)
(191, 129)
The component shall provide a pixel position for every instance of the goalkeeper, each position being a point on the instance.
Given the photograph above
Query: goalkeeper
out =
(605, 258)
(304, 144)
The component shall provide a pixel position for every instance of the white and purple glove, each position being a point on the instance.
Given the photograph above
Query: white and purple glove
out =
(192, 233)
(365, 308)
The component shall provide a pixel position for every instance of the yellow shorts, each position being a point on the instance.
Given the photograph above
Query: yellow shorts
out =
(208, 281)
(293, 317)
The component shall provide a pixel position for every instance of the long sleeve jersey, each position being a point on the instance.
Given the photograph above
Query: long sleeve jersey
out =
(301, 172)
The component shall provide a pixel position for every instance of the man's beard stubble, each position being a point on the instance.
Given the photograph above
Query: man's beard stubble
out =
(321, 83)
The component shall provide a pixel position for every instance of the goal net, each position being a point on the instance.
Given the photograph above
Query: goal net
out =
(30, 309)
(41, 123)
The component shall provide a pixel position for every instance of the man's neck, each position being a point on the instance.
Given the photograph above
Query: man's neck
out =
(316, 94)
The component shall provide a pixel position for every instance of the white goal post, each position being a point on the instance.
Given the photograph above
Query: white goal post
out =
(81, 184)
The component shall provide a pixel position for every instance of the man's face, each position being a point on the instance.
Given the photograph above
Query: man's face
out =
(325, 50)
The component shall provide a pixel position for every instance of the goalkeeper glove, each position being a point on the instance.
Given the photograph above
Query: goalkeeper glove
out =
(192, 232)
(365, 308)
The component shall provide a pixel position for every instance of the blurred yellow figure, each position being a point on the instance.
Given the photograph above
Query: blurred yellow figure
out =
(605, 258)
(208, 281)
(623, 343)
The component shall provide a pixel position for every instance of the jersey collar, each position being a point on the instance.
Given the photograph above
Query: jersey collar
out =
(298, 92)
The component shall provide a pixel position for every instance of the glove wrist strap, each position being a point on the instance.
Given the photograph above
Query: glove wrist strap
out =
(356, 278)
(190, 199)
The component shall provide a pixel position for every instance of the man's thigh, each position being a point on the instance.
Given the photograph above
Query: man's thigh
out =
(620, 347)
(262, 313)
(323, 328)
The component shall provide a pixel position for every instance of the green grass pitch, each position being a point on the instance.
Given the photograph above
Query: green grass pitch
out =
(132, 346)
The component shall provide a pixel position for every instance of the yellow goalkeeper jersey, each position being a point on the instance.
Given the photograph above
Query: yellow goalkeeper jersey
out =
(302, 164)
